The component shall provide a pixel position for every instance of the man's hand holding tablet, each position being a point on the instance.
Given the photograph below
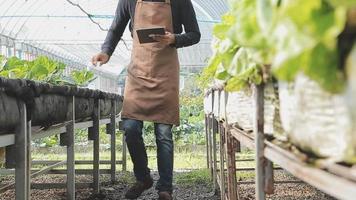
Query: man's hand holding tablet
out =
(152, 35)
(168, 38)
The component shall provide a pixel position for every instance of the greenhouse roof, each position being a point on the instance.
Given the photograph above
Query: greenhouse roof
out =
(64, 28)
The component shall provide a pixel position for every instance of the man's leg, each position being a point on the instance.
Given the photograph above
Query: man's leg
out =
(164, 157)
(136, 146)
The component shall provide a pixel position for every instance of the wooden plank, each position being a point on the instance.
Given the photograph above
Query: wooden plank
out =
(7, 140)
(239, 169)
(50, 170)
(331, 184)
(243, 137)
(337, 169)
(242, 160)
(70, 150)
(55, 130)
(276, 182)
(47, 169)
(77, 162)
(83, 125)
(105, 121)
(259, 142)
(89, 124)
(33, 174)
(43, 186)
(77, 171)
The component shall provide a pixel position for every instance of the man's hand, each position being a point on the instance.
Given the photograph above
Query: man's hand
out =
(167, 39)
(101, 58)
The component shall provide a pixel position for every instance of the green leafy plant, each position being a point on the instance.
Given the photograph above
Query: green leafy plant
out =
(43, 69)
(306, 41)
(40, 69)
(294, 36)
(83, 77)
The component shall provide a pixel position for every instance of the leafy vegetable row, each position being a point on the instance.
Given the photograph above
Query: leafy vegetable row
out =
(292, 36)
(43, 69)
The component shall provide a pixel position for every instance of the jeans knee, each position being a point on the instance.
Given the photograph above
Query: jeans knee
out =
(132, 129)
(164, 133)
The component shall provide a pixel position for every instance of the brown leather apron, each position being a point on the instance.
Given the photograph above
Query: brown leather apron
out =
(152, 84)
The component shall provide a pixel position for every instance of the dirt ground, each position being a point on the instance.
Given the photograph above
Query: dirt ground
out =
(201, 191)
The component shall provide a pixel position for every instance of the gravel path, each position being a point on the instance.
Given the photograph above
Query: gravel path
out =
(112, 192)
(295, 191)
(286, 191)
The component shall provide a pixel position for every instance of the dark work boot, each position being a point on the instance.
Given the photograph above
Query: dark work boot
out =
(138, 188)
(165, 196)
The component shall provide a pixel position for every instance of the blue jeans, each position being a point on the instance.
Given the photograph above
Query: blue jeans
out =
(136, 146)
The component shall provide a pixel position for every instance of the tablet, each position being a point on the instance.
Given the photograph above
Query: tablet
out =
(144, 34)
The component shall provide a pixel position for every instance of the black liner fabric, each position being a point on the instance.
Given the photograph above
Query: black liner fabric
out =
(27, 89)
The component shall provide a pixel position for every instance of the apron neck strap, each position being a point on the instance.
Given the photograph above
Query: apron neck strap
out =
(167, 1)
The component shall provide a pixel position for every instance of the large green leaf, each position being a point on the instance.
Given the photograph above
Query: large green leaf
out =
(2, 62)
(83, 77)
(221, 73)
(220, 30)
(325, 71)
(293, 36)
(14, 62)
(345, 3)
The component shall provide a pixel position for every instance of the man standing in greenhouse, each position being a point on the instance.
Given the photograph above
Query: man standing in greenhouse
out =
(152, 84)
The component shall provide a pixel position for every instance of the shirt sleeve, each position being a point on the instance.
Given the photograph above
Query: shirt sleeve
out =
(192, 33)
(118, 26)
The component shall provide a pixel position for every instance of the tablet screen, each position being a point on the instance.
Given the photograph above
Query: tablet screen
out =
(144, 34)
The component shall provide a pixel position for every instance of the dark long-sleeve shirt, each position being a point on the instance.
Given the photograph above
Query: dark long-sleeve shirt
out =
(183, 14)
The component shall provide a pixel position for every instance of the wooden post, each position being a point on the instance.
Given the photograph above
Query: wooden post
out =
(67, 139)
(124, 153)
(259, 142)
(207, 140)
(111, 130)
(210, 145)
(215, 163)
(269, 179)
(94, 135)
(22, 166)
(222, 163)
(124, 148)
(231, 157)
(28, 161)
